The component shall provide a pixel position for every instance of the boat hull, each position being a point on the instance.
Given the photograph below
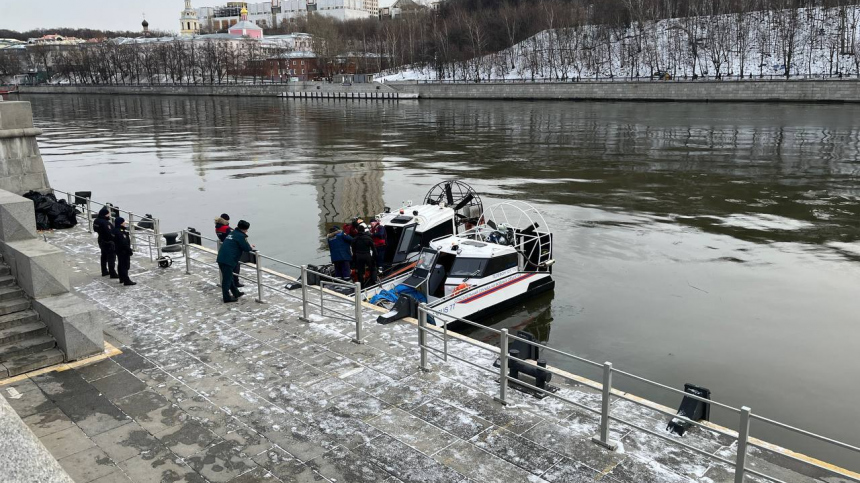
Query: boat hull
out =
(482, 302)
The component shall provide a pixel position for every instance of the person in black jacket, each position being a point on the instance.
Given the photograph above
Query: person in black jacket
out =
(231, 250)
(103, 227)
(123, 250)
(222, 229)
(365, 255)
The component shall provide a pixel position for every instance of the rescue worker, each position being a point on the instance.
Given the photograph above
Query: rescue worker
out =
(377, 232)
(222, 229)
(231, 250)
(339, 248)
(365, 255)
(103, 228)
(123, 250)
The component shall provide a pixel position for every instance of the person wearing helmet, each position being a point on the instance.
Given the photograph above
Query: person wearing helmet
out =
(231, 251)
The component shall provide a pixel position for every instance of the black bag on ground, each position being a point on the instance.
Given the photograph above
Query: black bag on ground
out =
(42, 222)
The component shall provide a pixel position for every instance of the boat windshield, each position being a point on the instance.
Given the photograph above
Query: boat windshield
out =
(468, 267)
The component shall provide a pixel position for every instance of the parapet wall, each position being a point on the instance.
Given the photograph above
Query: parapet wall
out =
(21, 165)
(275, 90)
(688, 91)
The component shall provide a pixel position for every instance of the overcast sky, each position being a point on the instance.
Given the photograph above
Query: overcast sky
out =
(98, 14)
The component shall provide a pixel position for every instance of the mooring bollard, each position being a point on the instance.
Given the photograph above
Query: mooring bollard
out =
(259, 260)
(358, 329)
(503, 368)
(422, 336)
(187, 252)
(603, 438)
(743, 439)
(304, 316)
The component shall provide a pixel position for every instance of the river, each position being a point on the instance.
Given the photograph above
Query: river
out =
(715, 244)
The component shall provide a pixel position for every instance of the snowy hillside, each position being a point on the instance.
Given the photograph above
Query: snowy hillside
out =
(811, 42)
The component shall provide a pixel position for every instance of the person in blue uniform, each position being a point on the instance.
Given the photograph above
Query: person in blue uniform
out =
(339, 248)
(231, 251)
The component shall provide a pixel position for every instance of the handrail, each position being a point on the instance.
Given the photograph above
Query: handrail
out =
(745, 414)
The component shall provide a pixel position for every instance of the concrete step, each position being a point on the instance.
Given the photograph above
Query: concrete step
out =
(6, 280)
(11, 292)
(14, 305)
(20, 332)
(18, 318)
(31, 362)
(4, 270)
(26, 346)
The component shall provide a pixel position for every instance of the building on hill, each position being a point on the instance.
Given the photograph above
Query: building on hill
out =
(245, 28)
(188, 22)
(274, 13)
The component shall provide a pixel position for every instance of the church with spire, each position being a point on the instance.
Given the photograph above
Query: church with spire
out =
(245, 28)
(188, 23)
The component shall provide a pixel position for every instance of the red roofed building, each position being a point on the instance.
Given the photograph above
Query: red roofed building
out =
(245, 28)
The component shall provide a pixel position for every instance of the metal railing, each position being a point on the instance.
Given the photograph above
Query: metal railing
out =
(153, 236)
(640, 79)
(744, 413)
(317, 298)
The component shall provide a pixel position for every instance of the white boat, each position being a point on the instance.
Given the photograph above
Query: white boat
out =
(500, 262)
(449, 208)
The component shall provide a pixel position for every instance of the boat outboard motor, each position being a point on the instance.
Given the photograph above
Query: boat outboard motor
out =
(406, 306)
(692, 409)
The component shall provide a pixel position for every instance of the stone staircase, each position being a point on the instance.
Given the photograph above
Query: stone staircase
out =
(25, 344)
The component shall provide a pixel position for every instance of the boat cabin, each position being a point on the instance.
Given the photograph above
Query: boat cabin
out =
(412, 227)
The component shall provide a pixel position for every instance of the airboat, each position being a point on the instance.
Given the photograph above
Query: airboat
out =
(449, 208)
(504, 259)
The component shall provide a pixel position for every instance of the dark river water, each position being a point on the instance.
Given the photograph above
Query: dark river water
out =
(716, 244)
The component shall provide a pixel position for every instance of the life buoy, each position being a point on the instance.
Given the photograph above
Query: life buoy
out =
(463, 286)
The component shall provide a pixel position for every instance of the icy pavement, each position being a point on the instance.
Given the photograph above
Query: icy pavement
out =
(245, 392)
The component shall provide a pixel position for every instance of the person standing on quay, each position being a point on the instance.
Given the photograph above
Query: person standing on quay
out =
(365, 255)
(231, 250)
(377, 232)
(222, 229)
(338, 247)
(122, 242)
(103, 228)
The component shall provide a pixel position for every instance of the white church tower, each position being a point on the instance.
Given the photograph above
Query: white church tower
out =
(188, 24)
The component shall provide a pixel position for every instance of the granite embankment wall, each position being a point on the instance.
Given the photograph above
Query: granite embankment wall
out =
(689, 91)
(295, 89)
(846, 90)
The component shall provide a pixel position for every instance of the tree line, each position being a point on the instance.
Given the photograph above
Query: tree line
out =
(564, 39)
(475, 40)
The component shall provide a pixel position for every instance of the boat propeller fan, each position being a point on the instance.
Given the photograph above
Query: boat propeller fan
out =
(459, 196)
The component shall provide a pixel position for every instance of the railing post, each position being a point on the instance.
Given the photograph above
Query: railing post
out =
(603, 438)
(89, 217)
(259, 264)
(358, 328)
(187, 251)
(322, 299)
(503, 368)
(156, 223)
(131, 230)
(422, 336)
(743, 439)
(304, 316)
